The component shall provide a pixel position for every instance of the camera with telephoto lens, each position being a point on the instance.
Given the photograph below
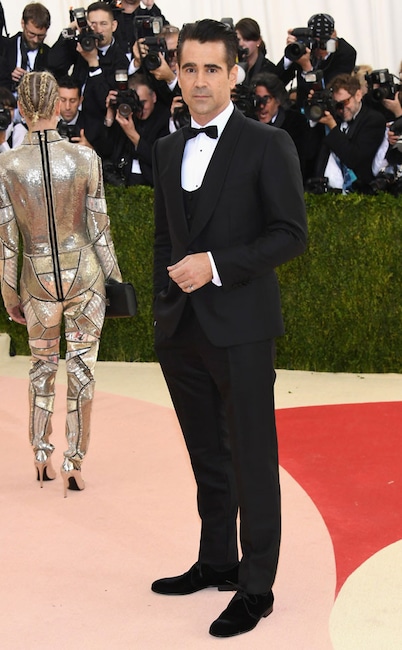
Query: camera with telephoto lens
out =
(304, 39)
(127, 101)
(5, 118)
(149, 29)
(86, 37)
(381, 85)
(321, 101)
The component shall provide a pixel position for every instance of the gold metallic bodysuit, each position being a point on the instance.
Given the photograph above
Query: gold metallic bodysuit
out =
(51, 194)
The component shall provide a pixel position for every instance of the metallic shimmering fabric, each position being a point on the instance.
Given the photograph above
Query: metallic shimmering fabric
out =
(51, 194)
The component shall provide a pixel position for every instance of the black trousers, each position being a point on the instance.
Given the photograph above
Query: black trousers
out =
(224, 401)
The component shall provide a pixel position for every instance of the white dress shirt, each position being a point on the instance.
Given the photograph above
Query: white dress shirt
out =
(196, 158)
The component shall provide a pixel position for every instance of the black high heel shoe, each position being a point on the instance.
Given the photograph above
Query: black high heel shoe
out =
(72, 479)
(44, 468)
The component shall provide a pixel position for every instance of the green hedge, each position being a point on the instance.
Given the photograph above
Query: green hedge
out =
(342, 300)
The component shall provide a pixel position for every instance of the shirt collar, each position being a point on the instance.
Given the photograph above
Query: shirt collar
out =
(220, 120)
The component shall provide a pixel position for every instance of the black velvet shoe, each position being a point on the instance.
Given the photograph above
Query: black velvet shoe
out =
(200, 576)
(242, 614)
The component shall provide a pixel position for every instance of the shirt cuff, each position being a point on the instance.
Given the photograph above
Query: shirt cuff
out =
(94, 72)
(215, 275)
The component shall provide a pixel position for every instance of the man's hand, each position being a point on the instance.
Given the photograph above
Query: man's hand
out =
(192, 272)
(17, 74)
(128, 127)
(91, 57)
(393, 105)
(140, 50)
(328, 120)
(16, 314)
(164, 72)
(81, 139)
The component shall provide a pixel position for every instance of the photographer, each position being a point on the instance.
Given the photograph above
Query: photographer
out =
(350, 136)
(315, 48)
(382, 92)
(11, 135)
(156, 58)
(95, 57)
(72, 123)
(389, 169)
(272, 106)
(128, 10)
(134, 121)
(252, 49)
(26, 50)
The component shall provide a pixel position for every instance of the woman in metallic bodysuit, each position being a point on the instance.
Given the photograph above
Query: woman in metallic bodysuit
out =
(51, 194)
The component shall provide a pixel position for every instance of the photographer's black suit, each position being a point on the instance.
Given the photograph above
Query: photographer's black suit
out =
(9, 56)
(63, 54)
(117, 147)
(216, 345)
(357, 148)
(342, 61)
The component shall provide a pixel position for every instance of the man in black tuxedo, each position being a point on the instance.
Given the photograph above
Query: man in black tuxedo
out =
(71, 124)
(350, 139)
(26, 50)
(229, 208)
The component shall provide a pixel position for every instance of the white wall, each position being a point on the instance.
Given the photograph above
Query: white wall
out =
(373, 27)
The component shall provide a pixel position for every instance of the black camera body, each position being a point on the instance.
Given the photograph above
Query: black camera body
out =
(381, 85)
(86, 37)
(127, 101)
(67, 131)
(243, 98)
(304, 39)
(156, 45)
(149, 28)
(5, 118)
(181, 115)
(322, 99)
(320, 102)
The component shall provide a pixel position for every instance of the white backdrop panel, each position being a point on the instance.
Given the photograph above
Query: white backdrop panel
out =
(373, 27)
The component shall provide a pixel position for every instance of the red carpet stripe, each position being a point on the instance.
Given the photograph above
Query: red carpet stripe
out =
(348, 458)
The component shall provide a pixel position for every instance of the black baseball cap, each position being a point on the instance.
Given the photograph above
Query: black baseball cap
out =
(322, 25)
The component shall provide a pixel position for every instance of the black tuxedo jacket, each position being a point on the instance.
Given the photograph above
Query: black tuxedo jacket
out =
(250, 215)
(9, 54)
(357, 148)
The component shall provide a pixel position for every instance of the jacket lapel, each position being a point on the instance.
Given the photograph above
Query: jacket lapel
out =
(216, 172)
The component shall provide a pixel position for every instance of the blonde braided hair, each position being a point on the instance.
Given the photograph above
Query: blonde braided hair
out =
(38, 93)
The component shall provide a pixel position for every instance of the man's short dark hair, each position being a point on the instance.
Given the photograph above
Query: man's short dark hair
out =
(347, 82)
(101, 6)
(274, 86)
(70, 82)
(210, 31)
(38, 14)
(138, 79)
(7, 98)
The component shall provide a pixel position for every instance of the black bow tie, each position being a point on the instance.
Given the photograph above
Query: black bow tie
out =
(190, 132)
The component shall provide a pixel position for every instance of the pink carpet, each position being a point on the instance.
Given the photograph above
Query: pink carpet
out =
(76, 572)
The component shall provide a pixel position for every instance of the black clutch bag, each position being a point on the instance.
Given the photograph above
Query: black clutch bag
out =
(121, 301)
